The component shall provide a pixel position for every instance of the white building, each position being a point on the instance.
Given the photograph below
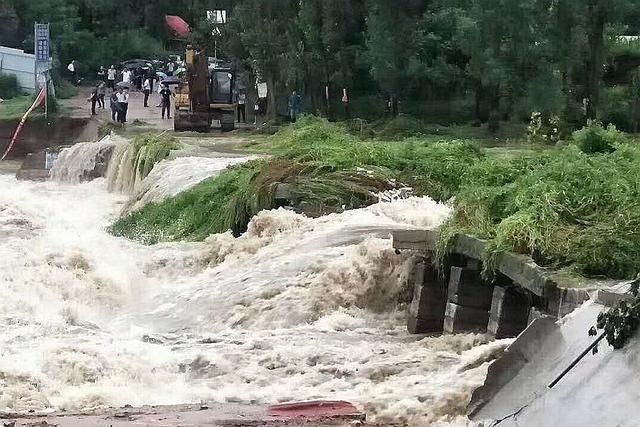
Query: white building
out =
(20, 64)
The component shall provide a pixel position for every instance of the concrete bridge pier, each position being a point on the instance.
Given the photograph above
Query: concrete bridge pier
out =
(469, 300)
(426, 312)
(509, 312)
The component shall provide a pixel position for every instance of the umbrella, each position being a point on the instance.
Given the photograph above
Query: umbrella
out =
(125, 85)
(161, 74)
(136, 63)
(170, 81)
(177, 26)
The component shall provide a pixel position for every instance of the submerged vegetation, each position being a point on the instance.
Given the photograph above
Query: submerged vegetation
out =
(149, 149)
(575, 206)
(328, 171)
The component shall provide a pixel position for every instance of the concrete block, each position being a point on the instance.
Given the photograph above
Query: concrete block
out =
(509, 312)
(465, 319)
(610, 298)
(424, 326)
(467, 288)
(426, 311)
(417, 240)
(570, 299)
(509, 304)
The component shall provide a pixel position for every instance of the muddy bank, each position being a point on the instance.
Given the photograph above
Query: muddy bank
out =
(37, 134)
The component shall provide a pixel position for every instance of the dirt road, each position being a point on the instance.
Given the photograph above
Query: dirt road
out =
(151, 116)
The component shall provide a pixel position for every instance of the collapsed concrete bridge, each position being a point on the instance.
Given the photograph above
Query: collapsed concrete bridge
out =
(456, 298)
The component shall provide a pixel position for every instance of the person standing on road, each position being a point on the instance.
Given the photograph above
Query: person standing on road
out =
(170, 68)
(73, 69)
(294, 103)
(123, 104)
(242, 108)
(146, 88)
(126, 77)
(115, 108)
(165, 96)
(102, 90)
(111, 78)
(126, 104)
(102, 74)
(93, 98)
(151, 75)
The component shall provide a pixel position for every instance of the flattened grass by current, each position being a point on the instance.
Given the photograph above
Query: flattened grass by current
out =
(564, 207)
(331, 170)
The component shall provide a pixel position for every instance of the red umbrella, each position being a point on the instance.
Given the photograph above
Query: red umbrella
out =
(177, 26)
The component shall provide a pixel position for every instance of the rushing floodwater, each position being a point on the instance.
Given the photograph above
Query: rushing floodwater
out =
(295, 309)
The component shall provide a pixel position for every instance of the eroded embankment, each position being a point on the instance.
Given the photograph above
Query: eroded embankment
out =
(37, 134)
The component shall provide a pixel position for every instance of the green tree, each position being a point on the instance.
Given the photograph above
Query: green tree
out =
(390, 44)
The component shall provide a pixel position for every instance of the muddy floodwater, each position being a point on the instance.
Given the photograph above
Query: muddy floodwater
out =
(295, 309)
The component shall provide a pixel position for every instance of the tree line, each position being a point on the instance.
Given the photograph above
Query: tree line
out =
(481, 60)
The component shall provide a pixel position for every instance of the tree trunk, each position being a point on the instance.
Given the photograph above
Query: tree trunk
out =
(272, 107)
(597, 20)
(394, 105)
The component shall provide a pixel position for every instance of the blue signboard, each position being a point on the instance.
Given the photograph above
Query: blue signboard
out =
(42, 42)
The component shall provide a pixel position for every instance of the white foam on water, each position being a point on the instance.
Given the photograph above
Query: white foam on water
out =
(295, 309)
(76, 163)
(171, 177)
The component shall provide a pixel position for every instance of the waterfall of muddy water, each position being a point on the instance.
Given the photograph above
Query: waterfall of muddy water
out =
(76, 163)
(295, 309)
(171, 177)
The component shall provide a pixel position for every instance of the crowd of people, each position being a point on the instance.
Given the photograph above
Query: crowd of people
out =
(122, 83)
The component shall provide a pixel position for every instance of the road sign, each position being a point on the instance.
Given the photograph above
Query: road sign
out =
(42, 42)
(41, 47)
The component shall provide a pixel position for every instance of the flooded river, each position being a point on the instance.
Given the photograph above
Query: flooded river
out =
(295, 309)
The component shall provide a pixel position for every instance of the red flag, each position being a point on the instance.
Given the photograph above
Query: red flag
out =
(40, 100)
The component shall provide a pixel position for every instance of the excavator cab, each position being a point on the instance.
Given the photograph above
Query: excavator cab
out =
(204, 94)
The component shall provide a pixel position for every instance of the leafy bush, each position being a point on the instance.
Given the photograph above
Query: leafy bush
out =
(542, 129)
(594, 138)
(65, 90)
(9, 86)
(564, 208)
(400, 127)
(616, 107)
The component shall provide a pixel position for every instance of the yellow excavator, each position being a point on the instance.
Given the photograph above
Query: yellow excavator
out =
(205, 94)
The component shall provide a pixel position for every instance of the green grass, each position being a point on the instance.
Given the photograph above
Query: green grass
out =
(193, 215)
(15, 108)
(565, 208)
(328, 169)
(576, 207)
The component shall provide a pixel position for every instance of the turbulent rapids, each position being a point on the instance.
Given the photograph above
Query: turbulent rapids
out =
(295, 309)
